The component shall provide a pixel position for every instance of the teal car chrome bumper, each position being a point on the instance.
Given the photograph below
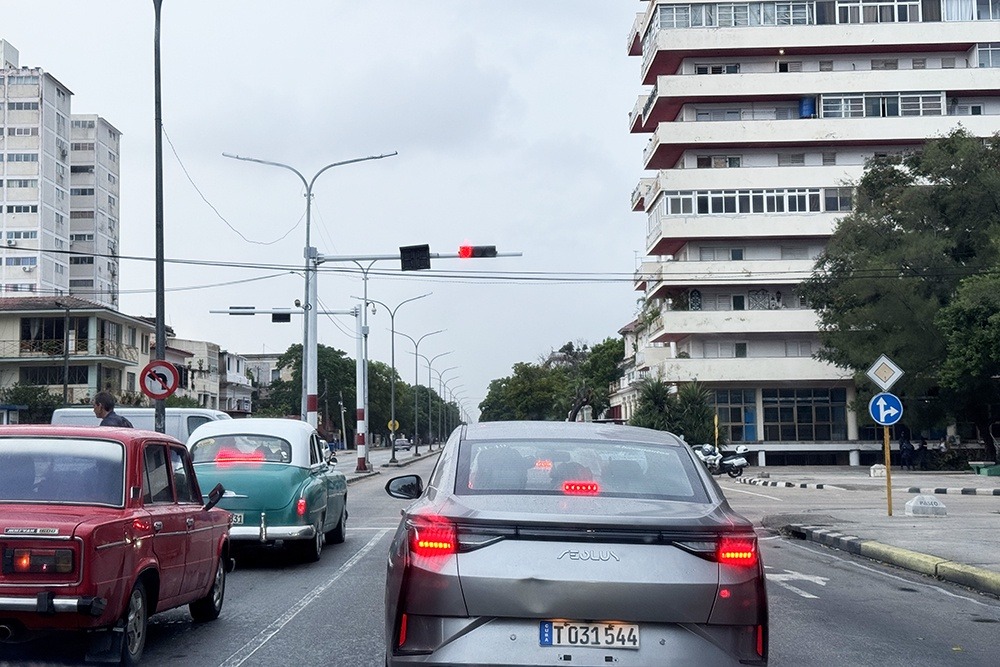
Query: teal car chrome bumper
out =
(265, 533)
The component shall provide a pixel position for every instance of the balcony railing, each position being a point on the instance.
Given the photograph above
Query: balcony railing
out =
(55, 347)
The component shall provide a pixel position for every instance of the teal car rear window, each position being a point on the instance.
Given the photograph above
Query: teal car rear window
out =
(242, 450)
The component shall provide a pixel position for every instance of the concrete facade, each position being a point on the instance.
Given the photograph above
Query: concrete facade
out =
(760, 115)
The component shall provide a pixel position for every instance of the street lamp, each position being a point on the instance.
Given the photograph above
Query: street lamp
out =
(446, 388)
(430, 418)
(441, 385)
(416, 378)
(309, 353)
(392, 347)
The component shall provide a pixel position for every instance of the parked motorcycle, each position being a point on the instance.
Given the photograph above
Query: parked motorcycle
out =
(718, 463)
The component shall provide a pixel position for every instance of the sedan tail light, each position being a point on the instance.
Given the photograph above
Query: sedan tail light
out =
(433, 536)
(738, 550)
(37, 561)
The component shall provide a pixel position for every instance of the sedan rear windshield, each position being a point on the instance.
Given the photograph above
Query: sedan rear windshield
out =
(249, 449)
(600, 468)
(62, 471)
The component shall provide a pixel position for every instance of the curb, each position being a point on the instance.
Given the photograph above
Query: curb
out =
(958, 492)
(977, 578)
(790, 485)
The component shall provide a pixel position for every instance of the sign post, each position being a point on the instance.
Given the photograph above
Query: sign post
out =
(886, 409)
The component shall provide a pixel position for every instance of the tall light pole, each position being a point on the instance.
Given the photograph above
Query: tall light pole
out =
(309, 359)
(441, 385)
(443, 414)
(159, 406)
(416, 377)
(392, 347)
(430, 380)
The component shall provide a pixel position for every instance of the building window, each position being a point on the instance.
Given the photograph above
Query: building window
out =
(729, 68)
(718, 162)
(81, 191)
(21, 261)
(22, 106)
(791, 159)
(22, 131)
(880, 64)
(790, 66)
(919, 63)
(989, 53)
(805, 415)
(737, 411)
(948, 63)
(23, 234)
(83, 146)
(86, 124)
(52, 375)
(77, 215)
(22, 182)
(81, 260)
(81, 283)
(838, 199)
(829, 158)
(81, 237)
(794, 252)
(798, 348)
(130, 382)
(22, 208)
(825, 65)
(22, 157)
(22, 80)
(81, 169)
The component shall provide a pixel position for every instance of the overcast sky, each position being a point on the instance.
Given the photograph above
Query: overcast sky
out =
(510, 123)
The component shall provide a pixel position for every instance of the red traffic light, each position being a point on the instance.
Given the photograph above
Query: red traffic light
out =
(467, 251)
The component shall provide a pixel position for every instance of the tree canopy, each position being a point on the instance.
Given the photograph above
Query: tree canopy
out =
(558, 387)
(908, 271)
(687, 412)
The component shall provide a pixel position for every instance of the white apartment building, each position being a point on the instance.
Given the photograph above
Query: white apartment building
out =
(760, 116)
(203, 371)
(235, 389)
(49, 159)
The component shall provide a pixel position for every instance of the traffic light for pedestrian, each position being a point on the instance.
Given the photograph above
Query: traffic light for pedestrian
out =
(467, 251)
(415, 257)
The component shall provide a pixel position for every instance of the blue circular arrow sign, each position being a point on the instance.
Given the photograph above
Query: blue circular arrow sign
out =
(885, 408)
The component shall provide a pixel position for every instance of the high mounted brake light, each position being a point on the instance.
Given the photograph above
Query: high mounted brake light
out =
(233, 456)
(580, 488)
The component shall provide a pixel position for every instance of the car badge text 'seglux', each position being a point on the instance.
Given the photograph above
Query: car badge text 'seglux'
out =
(573, 554)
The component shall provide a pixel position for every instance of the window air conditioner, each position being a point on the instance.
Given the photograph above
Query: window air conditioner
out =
(11, 243)
(27, 269)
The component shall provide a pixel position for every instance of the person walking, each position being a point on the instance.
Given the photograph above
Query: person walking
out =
(923, 455)
(905, 453)
(104, 409)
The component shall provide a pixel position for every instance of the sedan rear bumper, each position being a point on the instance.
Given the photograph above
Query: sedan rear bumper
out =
(47, 603)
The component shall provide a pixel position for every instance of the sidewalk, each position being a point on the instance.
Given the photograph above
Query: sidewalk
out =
(379, 460)
(846, 509)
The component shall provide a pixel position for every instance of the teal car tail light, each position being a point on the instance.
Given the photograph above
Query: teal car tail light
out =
(300, 507)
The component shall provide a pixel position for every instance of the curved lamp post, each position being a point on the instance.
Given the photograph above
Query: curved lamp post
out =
(309, 352)
(441, 398)
(430, 380)
(416, 373)
(392, 347)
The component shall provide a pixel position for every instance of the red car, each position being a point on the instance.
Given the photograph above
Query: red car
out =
(99, 529)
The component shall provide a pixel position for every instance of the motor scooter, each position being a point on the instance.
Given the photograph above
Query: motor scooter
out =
(718, 463)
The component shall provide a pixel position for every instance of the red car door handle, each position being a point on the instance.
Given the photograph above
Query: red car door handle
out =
(190, 522)
(157, 526)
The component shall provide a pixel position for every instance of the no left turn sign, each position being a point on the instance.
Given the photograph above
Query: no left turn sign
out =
(159, 379)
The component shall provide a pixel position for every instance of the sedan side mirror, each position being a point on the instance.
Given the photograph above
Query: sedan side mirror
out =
(215, 495)
(406, 487)
(331, 459)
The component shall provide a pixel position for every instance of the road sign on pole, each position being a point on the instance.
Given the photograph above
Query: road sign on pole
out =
(886, 409)
(159, 379)
(884, 373)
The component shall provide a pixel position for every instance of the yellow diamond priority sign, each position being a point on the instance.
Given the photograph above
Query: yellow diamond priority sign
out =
(884, 372)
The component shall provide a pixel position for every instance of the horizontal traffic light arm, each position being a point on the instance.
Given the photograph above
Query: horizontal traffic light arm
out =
(321, 259)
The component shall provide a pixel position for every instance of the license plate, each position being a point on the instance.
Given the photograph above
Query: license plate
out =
(238, 519)
(600, 635)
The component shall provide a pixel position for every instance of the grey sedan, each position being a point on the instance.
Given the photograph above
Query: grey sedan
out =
(537, 543)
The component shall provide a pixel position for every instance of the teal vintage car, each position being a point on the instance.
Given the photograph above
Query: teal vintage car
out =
(280, 486)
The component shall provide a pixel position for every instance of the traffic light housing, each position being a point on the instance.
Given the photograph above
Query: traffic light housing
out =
(415, 257)
(467, 251)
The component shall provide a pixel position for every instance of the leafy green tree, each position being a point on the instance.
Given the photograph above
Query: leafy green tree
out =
(970, 374)
(40, 402)
(533, 392)
(694, 415)
(601, 367)
(656, 405)
(921, 224)
(175, 401)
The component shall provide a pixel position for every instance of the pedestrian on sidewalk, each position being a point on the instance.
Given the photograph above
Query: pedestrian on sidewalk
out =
(923, 454)
(906, 452)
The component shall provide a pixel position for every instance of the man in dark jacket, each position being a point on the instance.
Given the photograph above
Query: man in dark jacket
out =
(104, 408)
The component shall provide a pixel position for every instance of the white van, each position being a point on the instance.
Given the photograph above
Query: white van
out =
(179, 422)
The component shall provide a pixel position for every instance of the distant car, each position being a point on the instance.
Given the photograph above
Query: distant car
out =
(281, 485)
(543, 543)
(99, 529)
(402, 443)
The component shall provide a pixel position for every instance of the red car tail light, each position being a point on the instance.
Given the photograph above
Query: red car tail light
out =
(737, 551)
(37, 561)
(433, 536)
(300, 507)
(402, 630)
(580, 488)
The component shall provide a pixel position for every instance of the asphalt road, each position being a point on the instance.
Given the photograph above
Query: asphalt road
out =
(827, 607)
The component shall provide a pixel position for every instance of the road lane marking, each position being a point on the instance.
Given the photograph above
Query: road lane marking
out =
(265, 635)
(762, 495)
(782, 580)
(818, 550)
